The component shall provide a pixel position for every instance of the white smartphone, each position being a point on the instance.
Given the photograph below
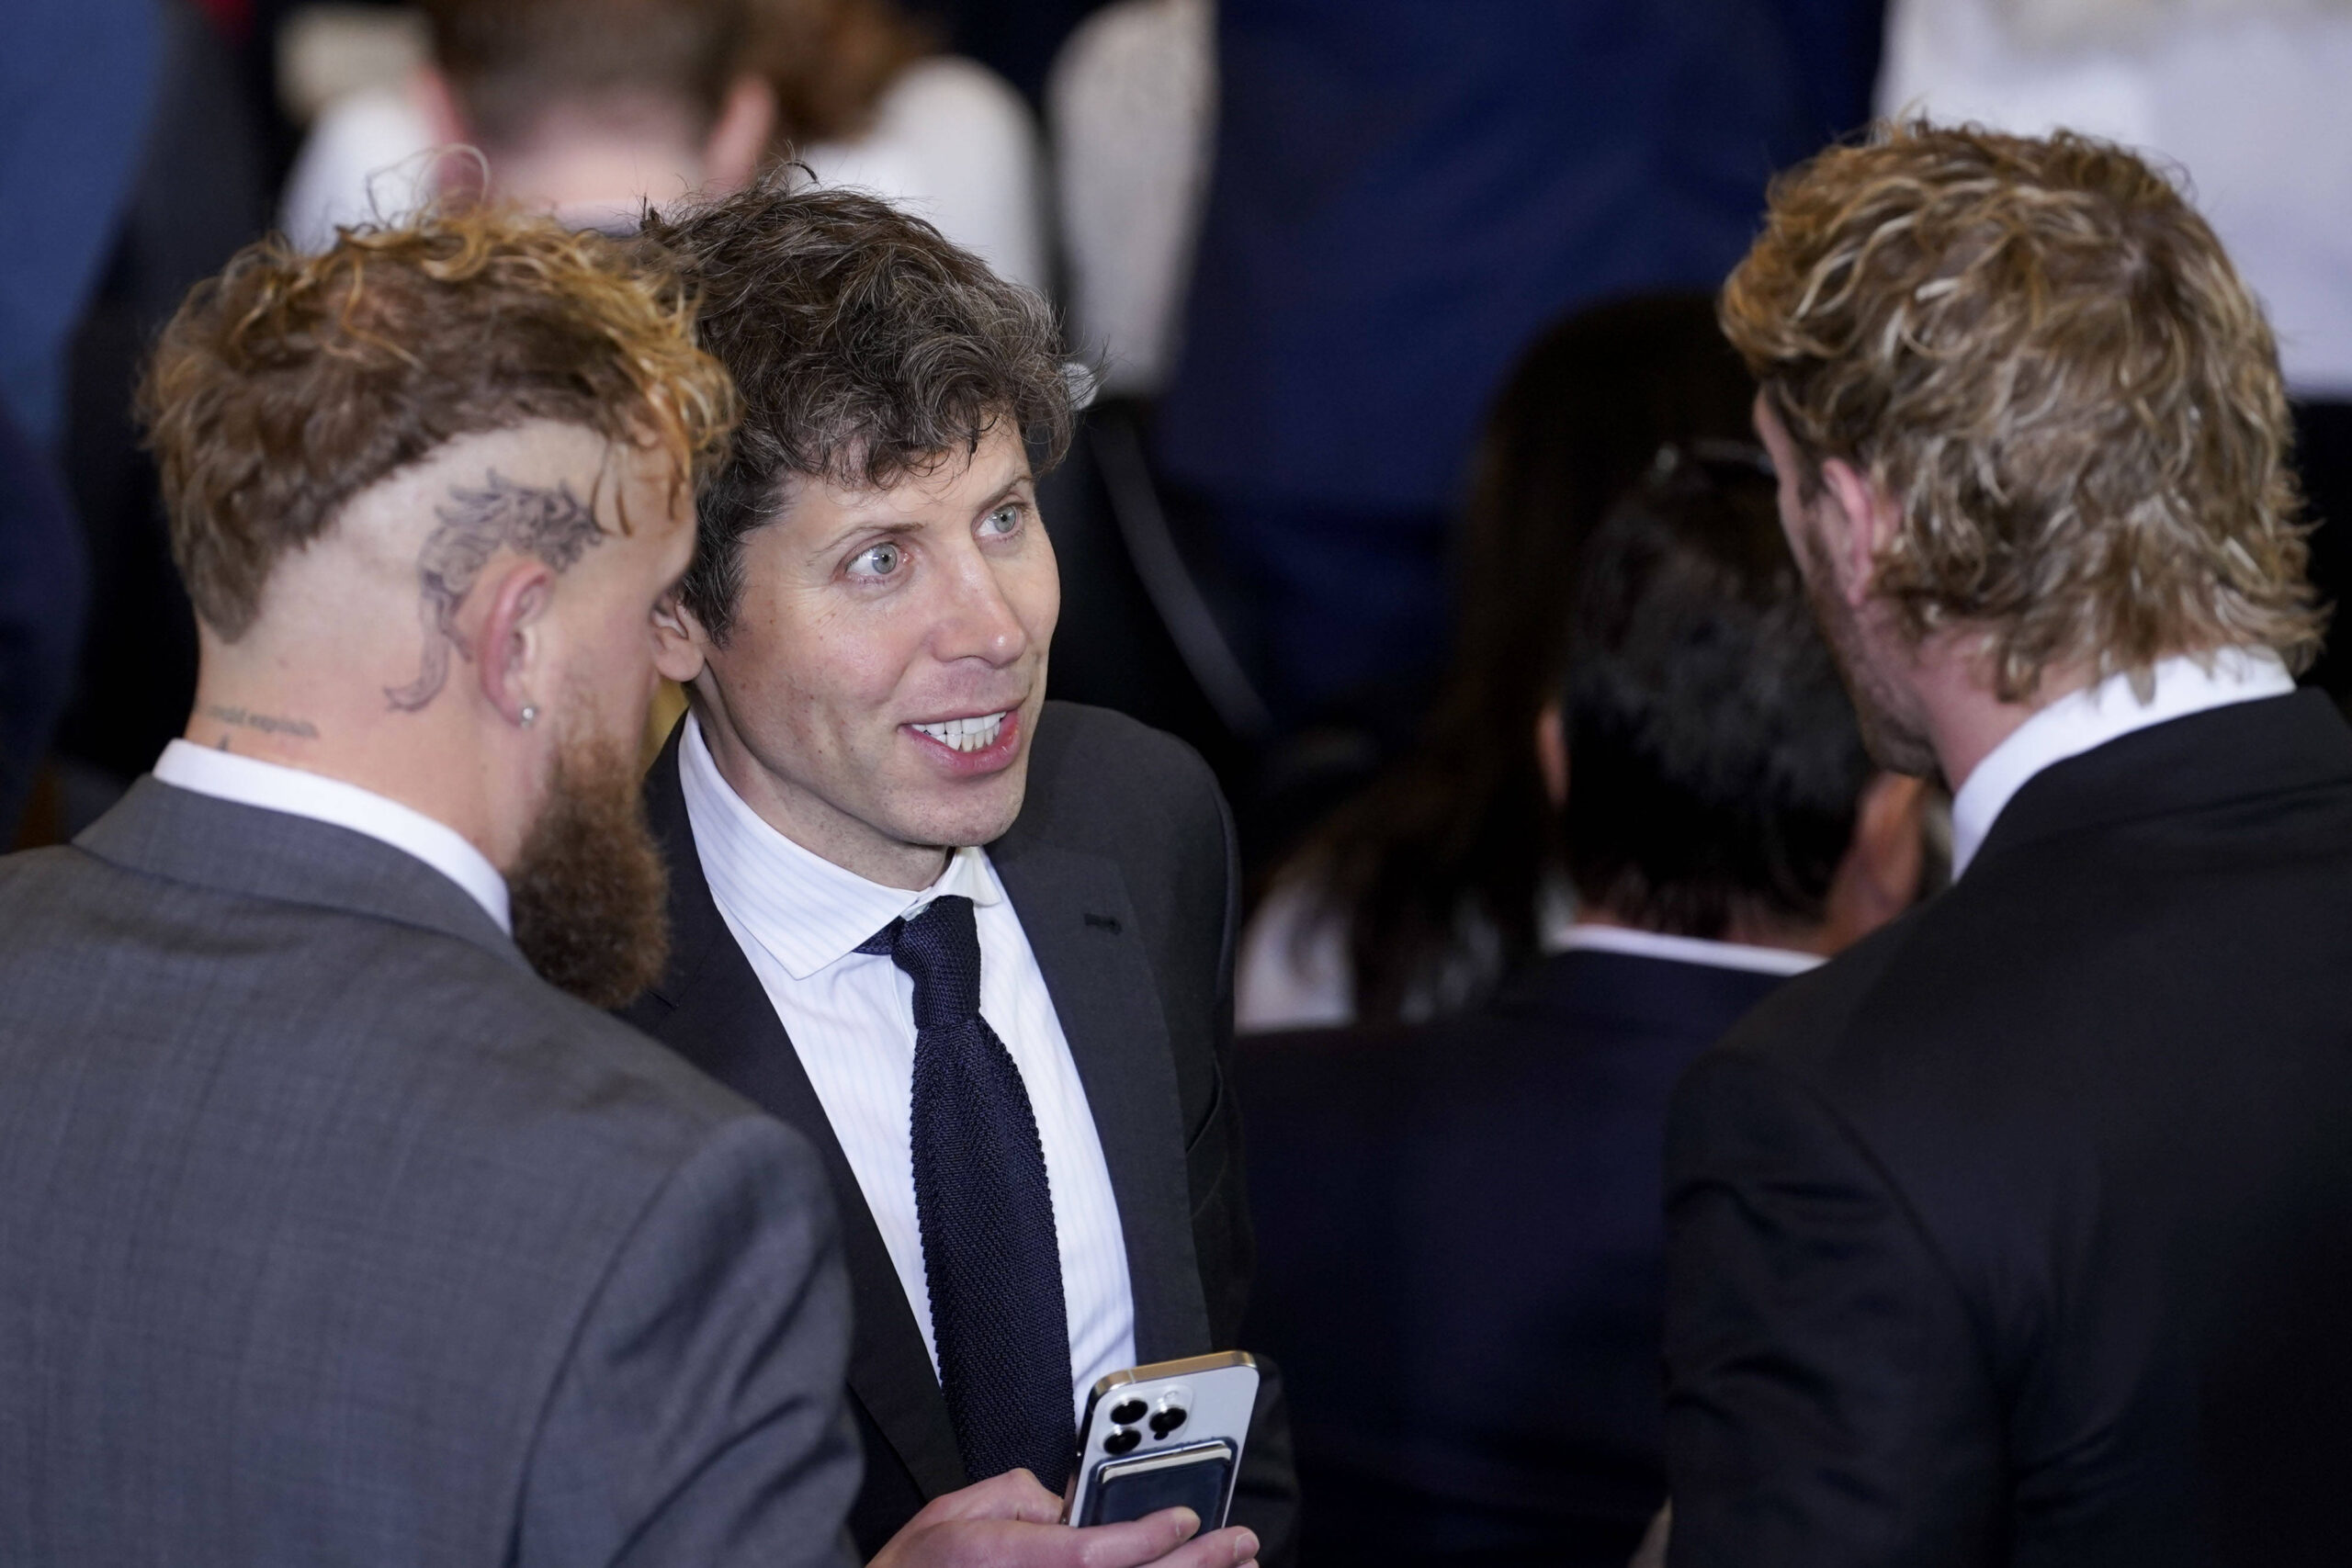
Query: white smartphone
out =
(1163, 1436)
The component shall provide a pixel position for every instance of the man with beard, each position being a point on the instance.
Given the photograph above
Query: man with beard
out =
(2023, 1232)
(333, 1234)
(976, 945)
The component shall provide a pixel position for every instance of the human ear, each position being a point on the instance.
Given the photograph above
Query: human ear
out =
(511, 647)
(1552, 755)
(678, 640)
(1868, 518)
(739, 140)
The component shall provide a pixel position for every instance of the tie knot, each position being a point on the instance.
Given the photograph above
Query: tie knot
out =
(939, 950)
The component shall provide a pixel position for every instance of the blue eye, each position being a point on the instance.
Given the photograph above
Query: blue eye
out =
(878, 560)
(1002, 521)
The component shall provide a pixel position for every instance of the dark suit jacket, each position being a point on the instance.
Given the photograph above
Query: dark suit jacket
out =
(330, 1234)
(1121, 865)
(1464, 1259)
(1462, 174)
(2022, 1234)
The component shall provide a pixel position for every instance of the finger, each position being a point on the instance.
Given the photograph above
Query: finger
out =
(1015, 1495)
(1230, 1548)
(1133, 1542)
(1032, 1503)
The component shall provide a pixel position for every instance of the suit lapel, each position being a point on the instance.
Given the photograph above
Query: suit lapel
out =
(1074, 912)
(711, 1008)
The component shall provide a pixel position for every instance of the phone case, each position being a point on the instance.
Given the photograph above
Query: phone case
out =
(1159, 1409)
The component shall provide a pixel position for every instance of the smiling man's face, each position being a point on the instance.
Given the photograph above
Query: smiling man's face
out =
(876, 695)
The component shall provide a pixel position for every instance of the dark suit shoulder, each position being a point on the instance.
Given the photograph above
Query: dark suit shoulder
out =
(1101, 781)
(1798, 1022)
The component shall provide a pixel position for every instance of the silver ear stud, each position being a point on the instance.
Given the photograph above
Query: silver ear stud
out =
(529, 716)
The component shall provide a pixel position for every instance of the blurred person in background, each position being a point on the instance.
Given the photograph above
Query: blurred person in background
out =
(1131, 106)
(591, 107)
(2248, 96)
(584, 108)
(1441, 877)
(866, 100)
(1405, 192)
(200, 192)
(2021, 1232)
(1463, 1240)
(1016, 39)
(76, 90)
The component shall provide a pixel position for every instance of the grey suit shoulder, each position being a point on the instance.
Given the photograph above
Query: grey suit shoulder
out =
(337, 1236)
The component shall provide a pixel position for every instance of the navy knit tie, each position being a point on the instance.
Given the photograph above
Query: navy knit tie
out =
(988, 1249)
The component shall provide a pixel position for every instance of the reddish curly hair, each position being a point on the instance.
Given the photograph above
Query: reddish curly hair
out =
(288, 384)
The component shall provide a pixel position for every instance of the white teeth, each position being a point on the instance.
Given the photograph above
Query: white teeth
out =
(966, 733)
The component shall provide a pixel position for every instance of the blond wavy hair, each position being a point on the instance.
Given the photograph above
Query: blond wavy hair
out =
(290, 383)
(2041, 353)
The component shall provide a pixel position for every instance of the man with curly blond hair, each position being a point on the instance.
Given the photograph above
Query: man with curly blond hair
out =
(333, 1232)
(2022, 1232)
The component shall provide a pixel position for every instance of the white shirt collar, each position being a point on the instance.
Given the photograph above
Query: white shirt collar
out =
(806, 911)
(2076, 723)
(1682, 949)
(273, 786)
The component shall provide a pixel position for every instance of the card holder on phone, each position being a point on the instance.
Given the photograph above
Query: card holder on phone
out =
(1163, 1436)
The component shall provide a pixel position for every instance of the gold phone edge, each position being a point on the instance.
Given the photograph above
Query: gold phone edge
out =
(1190, 1366)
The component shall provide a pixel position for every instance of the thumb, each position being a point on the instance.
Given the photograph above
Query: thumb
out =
(1133, 1542)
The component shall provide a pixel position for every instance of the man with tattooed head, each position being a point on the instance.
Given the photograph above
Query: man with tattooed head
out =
(333, 1232)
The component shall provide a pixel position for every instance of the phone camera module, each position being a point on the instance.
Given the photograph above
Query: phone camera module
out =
(1122, 1442)
(1127, 1412)
(1168, 1420)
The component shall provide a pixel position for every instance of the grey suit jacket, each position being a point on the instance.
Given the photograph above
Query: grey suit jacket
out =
(330, 1233)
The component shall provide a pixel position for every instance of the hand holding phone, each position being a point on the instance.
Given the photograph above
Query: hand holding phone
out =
(1010, 1521)
(1168, 1435)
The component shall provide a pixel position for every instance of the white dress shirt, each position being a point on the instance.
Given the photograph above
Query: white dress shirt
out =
(2076, 723)
(954, 144)
(273, 786)
(799, 918)
(1682, 949)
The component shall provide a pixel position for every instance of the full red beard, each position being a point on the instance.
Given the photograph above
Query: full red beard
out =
(589, 890)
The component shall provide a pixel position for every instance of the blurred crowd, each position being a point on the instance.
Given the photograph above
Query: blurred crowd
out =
(1380, 304)
(1408, 433)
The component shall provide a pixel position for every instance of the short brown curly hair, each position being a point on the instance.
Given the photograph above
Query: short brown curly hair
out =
(865, 347)
(2041, 354)
(288, 384)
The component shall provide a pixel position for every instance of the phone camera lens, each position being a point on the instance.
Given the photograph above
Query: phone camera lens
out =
(1127, 1412)
(1166, 1421)
(1124, 1441)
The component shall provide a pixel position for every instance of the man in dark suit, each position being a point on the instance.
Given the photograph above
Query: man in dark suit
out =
(2020, 1232)
(334, 1234)
(977, 947)
(1464, 1252)
(1405, 192)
